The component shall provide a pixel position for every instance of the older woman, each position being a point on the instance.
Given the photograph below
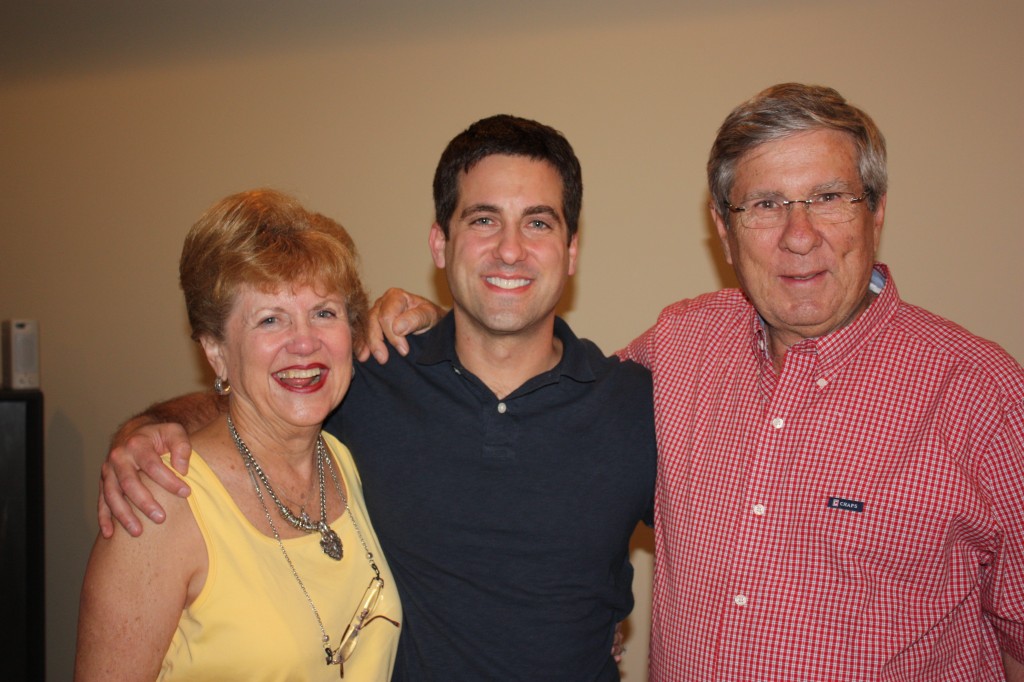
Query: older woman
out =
(275, 572)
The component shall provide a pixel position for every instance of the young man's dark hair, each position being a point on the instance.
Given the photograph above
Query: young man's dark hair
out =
(512, 136)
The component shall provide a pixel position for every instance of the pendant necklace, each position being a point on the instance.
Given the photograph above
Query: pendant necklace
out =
(256, 475)
(329, 540)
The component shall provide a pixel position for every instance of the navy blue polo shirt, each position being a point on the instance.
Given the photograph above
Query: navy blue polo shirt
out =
(506, 523)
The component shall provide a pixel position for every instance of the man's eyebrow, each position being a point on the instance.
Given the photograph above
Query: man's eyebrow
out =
(761, 194)
(479, 208)
(838, 184)
(543, 209)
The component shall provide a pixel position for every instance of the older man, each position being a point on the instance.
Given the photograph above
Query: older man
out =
(841, 474)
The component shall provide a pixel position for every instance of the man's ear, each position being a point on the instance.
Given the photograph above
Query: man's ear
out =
(574, 250)
(724, 233)
(437, 242)
(879, 220)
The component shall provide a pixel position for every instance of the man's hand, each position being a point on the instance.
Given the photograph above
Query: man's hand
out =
(1014, 668)
(618, 647)
(394, 316)
(140, 448)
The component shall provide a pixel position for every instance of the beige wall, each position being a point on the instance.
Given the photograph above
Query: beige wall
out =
(121, 121)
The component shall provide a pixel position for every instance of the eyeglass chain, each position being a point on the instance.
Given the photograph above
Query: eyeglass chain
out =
(257, 476)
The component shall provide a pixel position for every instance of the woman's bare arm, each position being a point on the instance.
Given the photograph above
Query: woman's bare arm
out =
(133, 594)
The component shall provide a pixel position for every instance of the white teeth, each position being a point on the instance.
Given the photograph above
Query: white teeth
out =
(298, 373)
(503, 283)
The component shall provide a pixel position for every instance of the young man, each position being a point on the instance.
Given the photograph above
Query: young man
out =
(505, 462)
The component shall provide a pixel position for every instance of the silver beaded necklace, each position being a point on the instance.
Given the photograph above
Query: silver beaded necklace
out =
(257, 476)
(330, 543)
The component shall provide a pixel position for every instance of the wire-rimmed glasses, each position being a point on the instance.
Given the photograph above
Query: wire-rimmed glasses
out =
(825, 207)
(360, 619)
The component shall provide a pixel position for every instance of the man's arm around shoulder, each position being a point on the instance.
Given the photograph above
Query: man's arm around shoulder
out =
(138, 445)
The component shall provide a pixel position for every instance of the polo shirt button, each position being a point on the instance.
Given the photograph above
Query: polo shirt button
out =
(502, 408)
(778, 423)
(739, 600)
(759, 509)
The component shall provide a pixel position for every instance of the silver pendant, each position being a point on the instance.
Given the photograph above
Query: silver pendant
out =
(330, 543)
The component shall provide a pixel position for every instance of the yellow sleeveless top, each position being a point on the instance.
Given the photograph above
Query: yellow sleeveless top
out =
(252, 622)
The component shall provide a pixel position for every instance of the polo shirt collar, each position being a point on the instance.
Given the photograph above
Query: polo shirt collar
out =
(439, 346)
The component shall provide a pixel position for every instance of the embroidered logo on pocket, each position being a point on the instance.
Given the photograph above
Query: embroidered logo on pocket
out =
(846, 505)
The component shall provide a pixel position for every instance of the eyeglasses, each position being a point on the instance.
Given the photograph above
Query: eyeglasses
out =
(825, 207)
(360, 619)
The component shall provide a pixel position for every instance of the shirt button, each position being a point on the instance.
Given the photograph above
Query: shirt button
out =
(759, 509)
(502, 408)
(778, 423)
(822, 383)
(739, 600)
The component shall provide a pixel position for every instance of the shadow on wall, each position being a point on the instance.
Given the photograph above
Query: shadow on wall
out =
(70, 536)
(636, 628)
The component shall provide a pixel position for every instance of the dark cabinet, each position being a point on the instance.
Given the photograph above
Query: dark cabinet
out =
(22, 579)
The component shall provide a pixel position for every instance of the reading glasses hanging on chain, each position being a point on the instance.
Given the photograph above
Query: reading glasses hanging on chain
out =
(824, 207)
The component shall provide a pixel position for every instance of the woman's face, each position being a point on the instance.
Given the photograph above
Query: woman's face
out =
(287, 354)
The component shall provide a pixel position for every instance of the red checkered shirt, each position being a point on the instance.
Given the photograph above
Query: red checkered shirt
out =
(859, 516)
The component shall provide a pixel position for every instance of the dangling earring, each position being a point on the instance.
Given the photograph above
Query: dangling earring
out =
(221, 386)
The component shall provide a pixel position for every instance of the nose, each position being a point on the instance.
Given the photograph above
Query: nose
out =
(510, 248)
(304, 339)
(799, 234)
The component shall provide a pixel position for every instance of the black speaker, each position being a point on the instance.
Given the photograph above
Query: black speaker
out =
(22, 579)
